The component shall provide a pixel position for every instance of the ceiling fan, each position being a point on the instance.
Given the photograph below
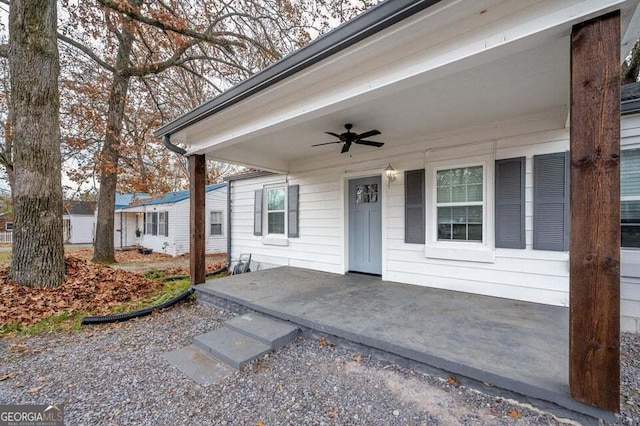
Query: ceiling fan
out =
(349, 138)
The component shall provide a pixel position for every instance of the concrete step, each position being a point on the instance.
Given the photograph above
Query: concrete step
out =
(231, 347)
(198, 365)
(270, 331)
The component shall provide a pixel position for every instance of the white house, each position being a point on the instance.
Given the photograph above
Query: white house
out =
(79, 222)
(485, 109)
(162, 224)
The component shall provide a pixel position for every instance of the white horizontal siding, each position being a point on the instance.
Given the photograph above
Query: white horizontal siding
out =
(82, 228)
(528, 275)
(177, 242)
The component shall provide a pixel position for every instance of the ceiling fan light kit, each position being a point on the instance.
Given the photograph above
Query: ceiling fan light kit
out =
(348, 138)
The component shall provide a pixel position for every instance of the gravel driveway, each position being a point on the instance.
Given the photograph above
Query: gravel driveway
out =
(115, 375)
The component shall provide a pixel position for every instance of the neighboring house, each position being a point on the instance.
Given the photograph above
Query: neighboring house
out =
(6, 222)
(79, 221)
(479, 105)
(162, 224)
(122, 229)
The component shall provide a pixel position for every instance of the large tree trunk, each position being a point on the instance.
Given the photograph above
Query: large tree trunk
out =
(38, 250)
(110, 154)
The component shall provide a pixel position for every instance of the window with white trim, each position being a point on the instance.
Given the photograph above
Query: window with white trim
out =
(630, 198)
(148, 228)
(162, 223)
(215, 219)
(460, 204)
(276, 210)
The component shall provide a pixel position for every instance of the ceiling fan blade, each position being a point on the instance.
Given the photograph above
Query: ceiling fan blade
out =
(326, 143)
(368, 134)
(335, 135)
(370, 143)
(346, 147)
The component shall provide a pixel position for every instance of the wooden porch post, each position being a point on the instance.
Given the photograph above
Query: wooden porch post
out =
(197, 182)
(594, 336)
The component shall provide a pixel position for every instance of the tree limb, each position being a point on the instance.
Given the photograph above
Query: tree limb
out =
(84, 49)
(134, 13)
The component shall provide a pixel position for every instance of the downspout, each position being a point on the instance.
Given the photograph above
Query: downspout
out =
(171, 147)
(229, 224)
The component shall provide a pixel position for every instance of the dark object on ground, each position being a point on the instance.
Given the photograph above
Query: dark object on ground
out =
(139, 313)
(243, 265)
(208, 274)
(143, 250)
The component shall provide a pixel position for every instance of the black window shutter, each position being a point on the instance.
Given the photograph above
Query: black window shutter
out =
(154, 223)
(257, 212)
(292, 205)
(414, 230)
(551, 202)
(144, 223)
(510, 189)
(166, 224)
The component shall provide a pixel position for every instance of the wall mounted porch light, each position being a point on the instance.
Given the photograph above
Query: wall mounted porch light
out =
(390, 173)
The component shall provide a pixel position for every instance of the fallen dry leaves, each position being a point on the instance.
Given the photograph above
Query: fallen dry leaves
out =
(88, 287)
(514, 414)
(357, 358)
(452, 380)
(8, 376)
(86, 253)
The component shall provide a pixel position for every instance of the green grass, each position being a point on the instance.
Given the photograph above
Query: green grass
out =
(155, 274)
(64, 321)
(168, 290)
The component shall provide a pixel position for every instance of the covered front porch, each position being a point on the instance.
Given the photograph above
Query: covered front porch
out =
(518, 346)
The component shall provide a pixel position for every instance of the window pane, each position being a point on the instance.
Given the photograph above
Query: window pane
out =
(474, 192)
(474, 175)
(276, 223)
(458, 194)
(359, 194)
(443, 178)
(444, 231)
(459, 215)
(216, 217)
(630, 173)
(444, 194)
(216, 229)
(459, 185)
(458, 176)
(474, 214)
(475, 233)
(444, 214)
(630, 215)
(275, 199)
(459, 232)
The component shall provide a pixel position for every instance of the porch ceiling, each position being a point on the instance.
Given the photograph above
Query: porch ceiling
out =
(529, 82)
(449, 67)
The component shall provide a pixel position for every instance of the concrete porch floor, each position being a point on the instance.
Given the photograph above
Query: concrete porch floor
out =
(518, 346)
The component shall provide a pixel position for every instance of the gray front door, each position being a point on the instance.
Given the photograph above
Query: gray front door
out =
(365, 225)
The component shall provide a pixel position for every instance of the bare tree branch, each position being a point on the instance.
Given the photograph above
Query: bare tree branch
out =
(216, 38)
(84, 49)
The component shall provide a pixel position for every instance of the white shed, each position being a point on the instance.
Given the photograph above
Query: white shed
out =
(79, 222)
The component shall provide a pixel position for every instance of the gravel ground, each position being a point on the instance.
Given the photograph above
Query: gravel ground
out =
(115, 375)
